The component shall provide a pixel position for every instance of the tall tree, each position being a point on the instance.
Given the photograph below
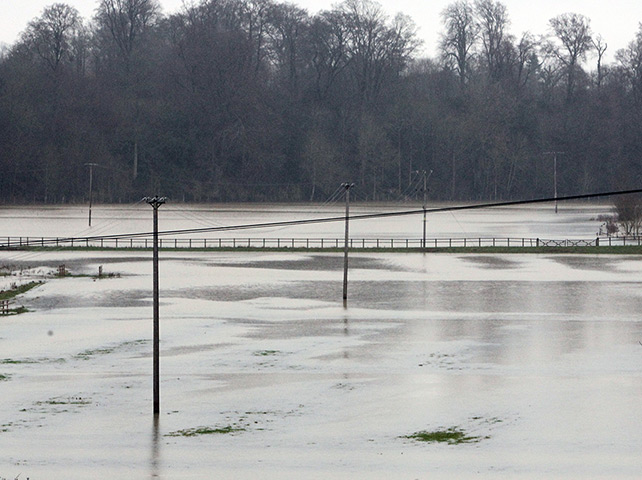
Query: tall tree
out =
(52, 34)
(630, 61)
(327, 51)
(574, 40)
(125, 23)
(460, 37)
(492, 19)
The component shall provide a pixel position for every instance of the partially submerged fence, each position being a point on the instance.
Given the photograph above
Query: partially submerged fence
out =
(310, 243)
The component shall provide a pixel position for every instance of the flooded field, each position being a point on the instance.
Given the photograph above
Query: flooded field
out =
(576, 221)
(440, 366)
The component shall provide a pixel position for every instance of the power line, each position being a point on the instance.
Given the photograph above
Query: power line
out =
(288, 223)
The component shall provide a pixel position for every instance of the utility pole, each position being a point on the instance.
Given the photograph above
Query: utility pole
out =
(347, 187)
(555, 154)
(425, 190)
(156, 202)
(91, 184)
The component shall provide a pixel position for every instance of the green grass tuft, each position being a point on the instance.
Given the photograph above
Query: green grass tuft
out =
(451, 436)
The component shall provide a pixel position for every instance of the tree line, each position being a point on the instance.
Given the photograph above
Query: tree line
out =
(252, 100)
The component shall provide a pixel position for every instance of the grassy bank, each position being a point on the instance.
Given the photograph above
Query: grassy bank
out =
(20, 289)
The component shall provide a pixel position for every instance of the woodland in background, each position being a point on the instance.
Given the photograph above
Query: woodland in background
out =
(252, 100)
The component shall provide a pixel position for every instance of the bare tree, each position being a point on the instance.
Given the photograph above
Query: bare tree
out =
(492, 20)
(573, 32)
(630, 60)
(375, 49)
(289, 27)
(327, 50)
(460, 37)
(628, 213)
(125, 22)
(600, 47)
(51, 35)
(527, 61)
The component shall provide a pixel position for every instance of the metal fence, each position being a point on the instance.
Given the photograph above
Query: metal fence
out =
(310, 243)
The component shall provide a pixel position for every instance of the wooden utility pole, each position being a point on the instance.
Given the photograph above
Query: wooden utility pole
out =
(555, 154)
(156, 202)
(347, 187)
(423, 238)
(91, 185)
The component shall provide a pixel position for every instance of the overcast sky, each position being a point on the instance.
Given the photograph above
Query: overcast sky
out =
(616, 20)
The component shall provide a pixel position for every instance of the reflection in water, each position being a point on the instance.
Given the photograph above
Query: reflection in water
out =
(346, 332)
(155, 457)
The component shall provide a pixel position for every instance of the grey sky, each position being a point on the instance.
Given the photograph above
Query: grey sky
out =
(617, 20)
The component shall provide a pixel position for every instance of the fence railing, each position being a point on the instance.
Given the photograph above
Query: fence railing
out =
(311, 243)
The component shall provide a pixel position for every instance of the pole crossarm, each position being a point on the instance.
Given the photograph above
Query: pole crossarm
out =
(155, 201)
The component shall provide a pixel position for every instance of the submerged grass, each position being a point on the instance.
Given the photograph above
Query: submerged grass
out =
(266, 353)
(87, 354)
(451, 436)
(66, 401)
(25, 361)
(18, 290)
(194, 432)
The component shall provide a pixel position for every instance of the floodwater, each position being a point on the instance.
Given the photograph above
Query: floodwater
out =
(574, 221)
(266, 374)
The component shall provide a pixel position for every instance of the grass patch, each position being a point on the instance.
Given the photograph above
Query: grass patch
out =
(18, 290)
(65, 401)
(27, 361)
(11, 361)
(266, 353)
(87, 354)
(194, 432)
(3, 377)
(451, 436)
